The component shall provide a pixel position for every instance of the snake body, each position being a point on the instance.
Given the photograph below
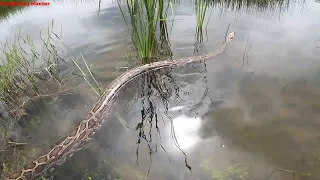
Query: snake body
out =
(95, 118)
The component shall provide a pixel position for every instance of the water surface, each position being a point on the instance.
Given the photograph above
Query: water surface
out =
(234, 116)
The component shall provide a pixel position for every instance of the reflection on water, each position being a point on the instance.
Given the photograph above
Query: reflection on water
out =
(213, 118)
(185, 129)
(156, 119)
(261, 124)
(231, 152)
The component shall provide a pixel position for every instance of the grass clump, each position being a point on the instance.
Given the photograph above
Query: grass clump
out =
(201, 8)
(30, 71)
(27, 72)
(146, 18)
(20, 74)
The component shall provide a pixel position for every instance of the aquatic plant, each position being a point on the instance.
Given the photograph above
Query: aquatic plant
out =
(145, 17)
(29, 72)
(201, 10)
(23, 69)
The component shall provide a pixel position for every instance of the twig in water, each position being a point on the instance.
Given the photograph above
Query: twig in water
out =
(83, 75)
(118, 68)
(91, 74)
(245, 54)
(189, 74)
(225, 37)
(12, 143)
(122, 121)
(76, 64)
(283, 170)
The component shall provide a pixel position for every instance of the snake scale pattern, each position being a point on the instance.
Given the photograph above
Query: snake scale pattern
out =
(95, 118)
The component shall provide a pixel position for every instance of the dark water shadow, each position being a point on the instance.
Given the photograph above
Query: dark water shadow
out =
(278, 122)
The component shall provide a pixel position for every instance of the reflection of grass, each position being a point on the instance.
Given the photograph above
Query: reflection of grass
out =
(250, 6)
(253, 5)
(7, 10)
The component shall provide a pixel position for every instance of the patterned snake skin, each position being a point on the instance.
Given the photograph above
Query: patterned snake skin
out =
(94, 119)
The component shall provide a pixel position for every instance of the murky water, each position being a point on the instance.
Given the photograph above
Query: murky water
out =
(238, 116)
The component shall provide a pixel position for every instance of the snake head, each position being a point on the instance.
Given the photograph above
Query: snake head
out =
(230, 37)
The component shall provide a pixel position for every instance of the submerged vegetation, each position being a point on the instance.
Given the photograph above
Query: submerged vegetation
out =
(20, 72)
(24, 72)
(31, 72)
(234, 171)
(25, 69)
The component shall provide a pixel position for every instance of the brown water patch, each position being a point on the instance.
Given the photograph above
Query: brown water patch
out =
(30, 166)
(40, 168)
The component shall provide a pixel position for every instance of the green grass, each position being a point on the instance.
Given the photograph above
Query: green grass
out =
(145, 18)
(29, 72)
(19, 71)
(21, 75)
(201, 10)
(23, 65)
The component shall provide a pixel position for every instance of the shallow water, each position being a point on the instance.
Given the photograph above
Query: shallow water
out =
(231, 122)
